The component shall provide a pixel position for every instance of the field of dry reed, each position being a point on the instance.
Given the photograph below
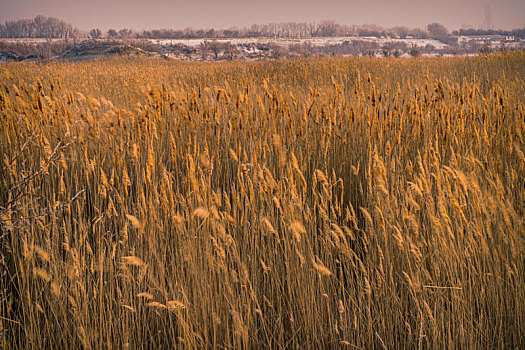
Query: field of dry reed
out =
(324, 203)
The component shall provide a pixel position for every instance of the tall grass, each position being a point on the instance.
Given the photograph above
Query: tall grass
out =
(321, 203)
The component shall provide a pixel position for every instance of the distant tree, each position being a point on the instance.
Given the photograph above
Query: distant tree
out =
(188, 33)
(231, 33)
(230, 51)
(517, 33)
(414, 51)
(401, 32)
(95, 33)
(278, 51)
(112, 33)
(437, 30)
(39, 27)
(387, 50)
(200, 33)
(428, 49)
(204, 50)
(327, 28)
(124, 33)
(215, 47)
(178, 34)
(370, 30)
(75, 33)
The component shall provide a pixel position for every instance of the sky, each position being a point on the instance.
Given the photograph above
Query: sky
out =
(223, 14)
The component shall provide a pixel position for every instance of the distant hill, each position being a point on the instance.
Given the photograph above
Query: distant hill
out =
(89, 50)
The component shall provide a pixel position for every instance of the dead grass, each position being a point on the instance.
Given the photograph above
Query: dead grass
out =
(320, 203)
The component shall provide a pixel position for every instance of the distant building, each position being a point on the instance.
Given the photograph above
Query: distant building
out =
(463, 39)
(491, 40)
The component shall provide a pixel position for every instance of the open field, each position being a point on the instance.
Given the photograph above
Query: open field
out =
(321, 203)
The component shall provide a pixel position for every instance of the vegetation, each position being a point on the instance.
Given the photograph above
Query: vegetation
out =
(41, 50)
(39, 27)
(518, 32)
(50, 27)
(322, 203)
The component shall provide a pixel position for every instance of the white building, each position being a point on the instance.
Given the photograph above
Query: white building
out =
(492, 40)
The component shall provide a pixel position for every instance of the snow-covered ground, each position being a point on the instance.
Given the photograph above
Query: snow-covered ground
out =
(311, 41)
(276, 41)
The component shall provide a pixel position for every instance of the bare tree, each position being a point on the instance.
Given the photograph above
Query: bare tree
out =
(204, 50)
(279, 51)
(415, 51)
(230, 51)
(95, 33)
(437, 30)
(401, 31)
(124, 33)
(39, 27)
(213, 46)
(112, 33)
(327, 28)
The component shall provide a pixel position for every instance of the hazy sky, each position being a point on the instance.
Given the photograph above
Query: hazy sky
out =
(179, 14)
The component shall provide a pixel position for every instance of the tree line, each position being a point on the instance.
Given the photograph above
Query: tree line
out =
(518, 32)
(38, 27)
(50, 27)
(327, 28)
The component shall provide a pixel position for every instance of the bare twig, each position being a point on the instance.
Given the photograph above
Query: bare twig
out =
(49, 211)
(381, 340)
(421, 335)
(22, 184)
(443, 287)
(26, 144)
